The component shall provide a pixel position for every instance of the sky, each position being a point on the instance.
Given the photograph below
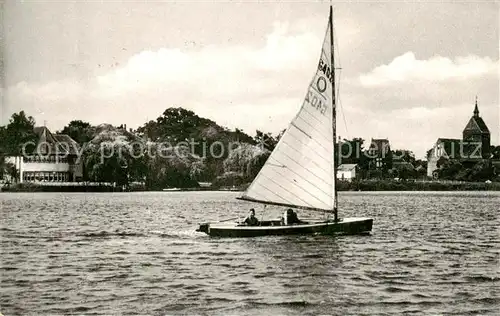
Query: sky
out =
(410, 71)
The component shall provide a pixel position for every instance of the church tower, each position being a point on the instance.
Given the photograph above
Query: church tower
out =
(477, 131)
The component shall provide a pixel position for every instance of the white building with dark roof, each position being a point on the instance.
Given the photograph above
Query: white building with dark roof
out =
(347, 172)
(55, 159)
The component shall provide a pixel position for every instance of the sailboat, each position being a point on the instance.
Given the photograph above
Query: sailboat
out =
(300, 173)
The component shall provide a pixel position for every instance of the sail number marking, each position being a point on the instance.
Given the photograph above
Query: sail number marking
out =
(316, 102)
(315, 96)
(325, 69)
(321, 84)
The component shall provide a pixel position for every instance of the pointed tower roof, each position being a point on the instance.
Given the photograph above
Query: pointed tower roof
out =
(476, 110)
(476, 123)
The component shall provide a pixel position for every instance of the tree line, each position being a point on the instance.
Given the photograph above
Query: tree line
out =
(115, 154)
(110, 153)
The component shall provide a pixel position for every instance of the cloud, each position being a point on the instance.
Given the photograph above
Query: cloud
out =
(283, 49)
(216, 72)
(416, 128)
(50, 92)
(410, 101)
(214, 81)
(407, 68)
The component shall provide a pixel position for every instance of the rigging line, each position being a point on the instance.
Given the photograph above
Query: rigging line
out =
(300, 129)
(295, 183)
(314, 194)
(309, 171)
(285, 155)
(314, 162)
(277, 145)
(301, 107)
(279, 196)
(342, 109)
(318, 132)
(308, 144)
(336, 38)
(307, 208)
(300, 176)
(266, 197)
(321, 150)
(280, 141)
(318, 151)
(290, 145)
(291, 193)
(310, 114)
(276, 165)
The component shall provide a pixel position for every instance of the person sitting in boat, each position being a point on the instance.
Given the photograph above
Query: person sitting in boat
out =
(251, 220)
(290, 217)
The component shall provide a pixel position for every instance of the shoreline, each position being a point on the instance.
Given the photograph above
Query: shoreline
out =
(362, 185)
(393, 185)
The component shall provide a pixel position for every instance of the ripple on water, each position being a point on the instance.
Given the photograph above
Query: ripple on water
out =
(138, 253)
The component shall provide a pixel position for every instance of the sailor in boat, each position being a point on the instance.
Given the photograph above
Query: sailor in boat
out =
(251, 220)
(290, 218)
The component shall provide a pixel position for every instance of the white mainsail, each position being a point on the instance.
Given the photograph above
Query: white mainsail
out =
(300, 170)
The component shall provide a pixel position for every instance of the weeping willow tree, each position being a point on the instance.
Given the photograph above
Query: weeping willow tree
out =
(173, 167)
(242, 165)
(115, 156)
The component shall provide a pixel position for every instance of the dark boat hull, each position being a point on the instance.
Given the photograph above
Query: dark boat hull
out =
(347, 226)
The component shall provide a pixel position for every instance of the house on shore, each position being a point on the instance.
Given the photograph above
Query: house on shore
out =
(347, 172)
(54, 159)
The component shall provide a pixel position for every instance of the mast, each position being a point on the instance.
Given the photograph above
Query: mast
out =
(298, 173)
(334, 118)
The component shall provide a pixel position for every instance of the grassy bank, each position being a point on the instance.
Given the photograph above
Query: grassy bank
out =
(33, 187)
(391, 185)
(362, 185)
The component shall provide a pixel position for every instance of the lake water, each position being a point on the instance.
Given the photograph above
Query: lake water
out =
(137, 253)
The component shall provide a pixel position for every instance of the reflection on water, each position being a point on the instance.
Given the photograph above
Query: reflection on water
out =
(123, 253)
